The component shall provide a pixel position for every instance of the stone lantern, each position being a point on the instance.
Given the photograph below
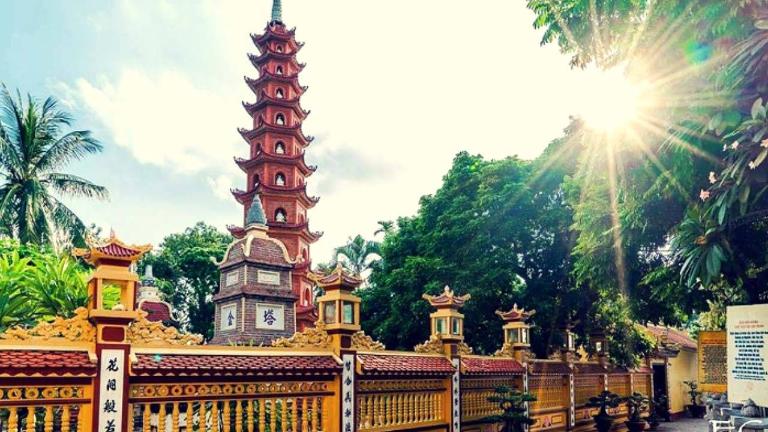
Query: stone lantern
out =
(517, 332)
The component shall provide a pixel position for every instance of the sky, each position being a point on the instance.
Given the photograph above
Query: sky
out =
(396, 89)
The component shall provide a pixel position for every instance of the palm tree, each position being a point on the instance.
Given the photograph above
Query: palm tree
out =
(33, 149)
(358, 255)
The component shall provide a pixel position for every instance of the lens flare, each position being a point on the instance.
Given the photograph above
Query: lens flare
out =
(611, 101)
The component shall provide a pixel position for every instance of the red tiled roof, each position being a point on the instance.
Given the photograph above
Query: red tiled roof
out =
(156, 311)
(674, 336)
(200, 364)
(116, 250)
(395, 364)
(46, 363)
(491, 366)
(549, 368)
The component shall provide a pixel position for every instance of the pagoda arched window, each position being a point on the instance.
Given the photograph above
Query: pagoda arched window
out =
(280, 179)
(301, 218)
(280, 147)
(304, 254)
(256, 180)
(279, 48)
(281, 215)
(307, 297)
(279, 70)
(280, 119)
(279, 93)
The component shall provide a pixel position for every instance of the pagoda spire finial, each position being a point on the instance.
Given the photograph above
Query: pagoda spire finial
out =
(277, 11)
(255, 215)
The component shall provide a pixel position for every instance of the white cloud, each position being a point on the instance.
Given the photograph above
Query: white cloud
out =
(221, 186)
(164, 119)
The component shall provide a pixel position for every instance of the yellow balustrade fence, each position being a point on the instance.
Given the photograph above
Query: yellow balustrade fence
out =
(240, 407)
(475, 393)
(29, 407)
(400, 404)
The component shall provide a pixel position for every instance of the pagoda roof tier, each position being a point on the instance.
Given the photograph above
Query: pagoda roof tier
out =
(262, 156)
(258, 61)
(276, 229)
(239, 232)
(295, 131)
(446, 299)
(264, 101)
(299, 192)
(515, 314)
(276, 31)
(266, 76)
(111, 249)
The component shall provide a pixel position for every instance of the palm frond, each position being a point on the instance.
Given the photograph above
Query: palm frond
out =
(72, 185)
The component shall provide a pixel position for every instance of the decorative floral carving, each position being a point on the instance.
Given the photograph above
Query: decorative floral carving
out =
(362, 341)
(75, 329)
(505, 351)
(144, 331)
(432, 346)
(314, 337)
(465, 349)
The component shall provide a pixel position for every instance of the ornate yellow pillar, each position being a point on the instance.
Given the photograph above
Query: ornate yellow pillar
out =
(112, 277)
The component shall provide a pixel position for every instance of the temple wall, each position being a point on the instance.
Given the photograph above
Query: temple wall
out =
(679, 369)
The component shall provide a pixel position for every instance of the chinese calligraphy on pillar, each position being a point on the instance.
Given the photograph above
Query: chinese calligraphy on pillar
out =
(348, 393)
(456, 397)
(270, 316)
(111, 390)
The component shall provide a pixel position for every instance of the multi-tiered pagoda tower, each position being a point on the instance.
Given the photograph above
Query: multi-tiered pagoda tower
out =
(276, 171)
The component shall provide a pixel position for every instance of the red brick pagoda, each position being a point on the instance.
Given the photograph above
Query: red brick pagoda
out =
(276, 170)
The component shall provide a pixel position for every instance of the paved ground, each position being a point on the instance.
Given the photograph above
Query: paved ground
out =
(684, 425)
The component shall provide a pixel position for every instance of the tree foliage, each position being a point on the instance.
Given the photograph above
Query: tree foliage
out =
(187, 274)
(497, 230)
(358, 255)
(37, 283)
(34, 147)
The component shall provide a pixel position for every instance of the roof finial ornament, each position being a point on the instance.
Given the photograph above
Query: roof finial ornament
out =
(277, 11)
(255, 215)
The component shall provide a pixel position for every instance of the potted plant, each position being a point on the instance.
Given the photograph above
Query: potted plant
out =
(635, 405)
(514, 416)
(605, 400)
(695, 409)
(661, 407)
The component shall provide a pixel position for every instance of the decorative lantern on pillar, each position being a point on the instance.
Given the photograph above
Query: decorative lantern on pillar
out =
(599, 344)
(447, 323)
(568, 348)
(517, 332)
(339, 309)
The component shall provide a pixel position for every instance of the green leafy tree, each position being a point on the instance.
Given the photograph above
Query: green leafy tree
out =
(57, 285)
(15, 308)
(34, 147)
(357, 255)
(685, 209)
(187, 275)
(495, 229)
(514, 412)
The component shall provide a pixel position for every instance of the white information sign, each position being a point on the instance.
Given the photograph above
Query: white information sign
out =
(228, 318)
(456, 396)
(348, 392)
(111, 391)
(268, 277)
(748, 353)
(270, 316)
